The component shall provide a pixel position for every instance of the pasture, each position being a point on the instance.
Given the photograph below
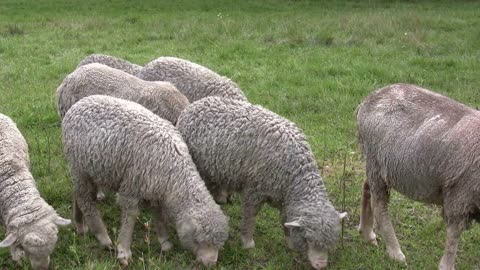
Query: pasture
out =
(309, 61)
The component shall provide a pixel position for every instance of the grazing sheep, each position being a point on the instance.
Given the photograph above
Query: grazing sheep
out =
(112, 62)
(162, 98)
(427, 147)
(248, 149)
(193, 80)
(31, 223)
(120, 146)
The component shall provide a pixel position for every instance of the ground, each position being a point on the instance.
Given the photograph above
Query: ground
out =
(309, 61)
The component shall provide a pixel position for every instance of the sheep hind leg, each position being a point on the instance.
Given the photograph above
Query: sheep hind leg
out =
(85, 198)
(454, 230)
(251, 206)
(366, 217)
(130, 212)
(160, 226)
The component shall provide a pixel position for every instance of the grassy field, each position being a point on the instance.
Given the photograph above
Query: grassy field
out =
(309, 61)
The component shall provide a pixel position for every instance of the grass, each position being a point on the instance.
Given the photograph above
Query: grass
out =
(310, 61)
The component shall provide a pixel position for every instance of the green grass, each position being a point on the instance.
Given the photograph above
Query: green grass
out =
(310, 61)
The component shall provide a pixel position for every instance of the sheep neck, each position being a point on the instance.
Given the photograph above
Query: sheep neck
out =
(21, 202)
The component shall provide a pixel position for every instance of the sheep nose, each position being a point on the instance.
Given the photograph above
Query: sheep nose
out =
(319, 265)
(209, 261)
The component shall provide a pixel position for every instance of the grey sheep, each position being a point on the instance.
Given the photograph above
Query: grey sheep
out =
(162, 98)
(31, 223)
(266, 158)
(121, 146)
(193, 80)
(111, 61)
(427, 147)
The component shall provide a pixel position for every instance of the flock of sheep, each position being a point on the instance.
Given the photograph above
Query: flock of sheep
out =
(177, 138)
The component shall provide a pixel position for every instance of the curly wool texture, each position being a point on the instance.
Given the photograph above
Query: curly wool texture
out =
(424, 145)
(111, 61)
(248, 149)
(162, 98)
(123, 147)
(22, 210)
(193, 80)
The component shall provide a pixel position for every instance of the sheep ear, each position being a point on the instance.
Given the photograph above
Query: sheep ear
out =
(62, 221)
(342, 215)
(11, 238)
(293, 224)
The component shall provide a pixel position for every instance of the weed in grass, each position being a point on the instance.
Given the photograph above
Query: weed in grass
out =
(13, 30)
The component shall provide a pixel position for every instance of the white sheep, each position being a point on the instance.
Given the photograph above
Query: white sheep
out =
(31, 223)
(239, 147)
(121, 146)
(427, 147)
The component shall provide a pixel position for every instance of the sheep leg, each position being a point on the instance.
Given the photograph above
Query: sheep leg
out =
(454, 230)
(160, 226)
(222, 196)
(85, 199)
(366, 217)
(251, 206)
(82, 227)
(286, 231)
(129, 215)
(380, 211)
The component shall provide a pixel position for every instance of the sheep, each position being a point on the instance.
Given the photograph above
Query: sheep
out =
(193, 80)
(111, 61)
(121, 146)
(31, 223)
(247, 149)
(162, 98)
(425, 146)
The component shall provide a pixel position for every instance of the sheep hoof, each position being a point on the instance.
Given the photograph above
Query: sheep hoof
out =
(100, 196)
(166, 246)
(397, 255)
(82, 229)
(221, 200)
(370, 238)
(124, 255)
(105, 241)
(123, 261)
(373, 242)
(248, 243)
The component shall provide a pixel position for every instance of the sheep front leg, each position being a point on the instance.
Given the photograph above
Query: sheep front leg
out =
(251, 206)
(82, 227)
(160, 227)
(130, 212)
(85, 200)
(380, 211)
(366, 217)
(454, 230)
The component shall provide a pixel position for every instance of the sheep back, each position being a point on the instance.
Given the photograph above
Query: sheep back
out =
(111, 61)
(193, 80)
(162, 98)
